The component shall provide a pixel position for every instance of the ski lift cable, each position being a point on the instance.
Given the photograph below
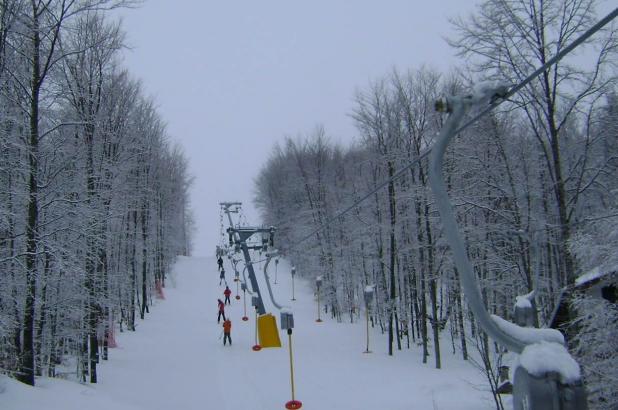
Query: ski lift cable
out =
(577, 42)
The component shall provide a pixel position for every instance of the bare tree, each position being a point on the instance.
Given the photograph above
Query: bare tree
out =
(506, 40)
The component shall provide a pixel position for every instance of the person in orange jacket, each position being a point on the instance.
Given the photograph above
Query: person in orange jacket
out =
(227, 329)
(221, 310)
(227, 292)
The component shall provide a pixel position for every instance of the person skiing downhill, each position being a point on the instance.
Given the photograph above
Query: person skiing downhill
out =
(227, 329)
(227, 292)
(221, 311)
(222, 277)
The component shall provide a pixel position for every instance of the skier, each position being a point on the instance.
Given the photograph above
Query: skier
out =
(227, 328)
(220, 263)
(221, 311)
(227, 292)
(222, 277)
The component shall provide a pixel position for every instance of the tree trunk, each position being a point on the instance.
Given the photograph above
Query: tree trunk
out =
(435, 323)
(393, 293)
(460, 317)
(144, 217)
(26, 374)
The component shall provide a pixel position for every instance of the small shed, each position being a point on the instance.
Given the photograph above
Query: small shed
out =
(596, 283)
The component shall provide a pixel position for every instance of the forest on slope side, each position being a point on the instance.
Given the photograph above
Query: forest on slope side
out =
(93, 196)
(534, 186)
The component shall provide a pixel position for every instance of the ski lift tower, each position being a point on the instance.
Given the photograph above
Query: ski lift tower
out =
(238, 237)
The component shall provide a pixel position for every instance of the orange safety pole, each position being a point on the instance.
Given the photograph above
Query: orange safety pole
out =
(244, 300)
(256, 347)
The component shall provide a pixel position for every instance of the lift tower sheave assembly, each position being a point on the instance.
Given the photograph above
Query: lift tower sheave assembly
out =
(238, 237)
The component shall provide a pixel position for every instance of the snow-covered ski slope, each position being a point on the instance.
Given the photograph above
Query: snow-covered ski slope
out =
(176, 360)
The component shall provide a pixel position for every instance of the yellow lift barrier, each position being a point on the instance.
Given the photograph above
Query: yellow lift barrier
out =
(268, 332)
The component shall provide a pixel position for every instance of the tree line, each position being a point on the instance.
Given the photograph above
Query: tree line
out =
(94, 201)
(533, 183)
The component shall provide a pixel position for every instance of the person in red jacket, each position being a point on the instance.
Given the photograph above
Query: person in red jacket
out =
(221, 311)
(227, 292)
(227, 329)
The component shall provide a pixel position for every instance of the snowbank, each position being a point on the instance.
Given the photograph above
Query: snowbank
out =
(55, 394)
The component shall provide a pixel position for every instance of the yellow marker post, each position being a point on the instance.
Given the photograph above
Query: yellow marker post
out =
(287, 323)
(318, 283)
(256, 347)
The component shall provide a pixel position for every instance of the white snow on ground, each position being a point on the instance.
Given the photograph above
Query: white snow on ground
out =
(176, 361)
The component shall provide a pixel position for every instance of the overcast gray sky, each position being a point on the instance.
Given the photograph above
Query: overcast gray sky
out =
(231, 78)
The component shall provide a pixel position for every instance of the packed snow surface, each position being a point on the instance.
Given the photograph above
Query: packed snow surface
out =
(176, 360)
(544, 357)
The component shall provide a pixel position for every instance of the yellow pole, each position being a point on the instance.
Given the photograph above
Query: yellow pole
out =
(244, 301)
(256, 347)
(291, 362)
(256, 326)
(319, 320)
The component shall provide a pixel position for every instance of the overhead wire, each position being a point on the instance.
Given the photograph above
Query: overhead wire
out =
(512, 91)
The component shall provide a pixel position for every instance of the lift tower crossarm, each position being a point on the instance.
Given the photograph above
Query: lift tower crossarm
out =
(241, 234)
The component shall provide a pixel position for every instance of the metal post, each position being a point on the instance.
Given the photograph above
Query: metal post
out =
(252, 278)
(244, 300)
(256, 347)
(287, 323)
(368, 294)
(293, 274)
(318, 283)
(367, 316)
(291, 362)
